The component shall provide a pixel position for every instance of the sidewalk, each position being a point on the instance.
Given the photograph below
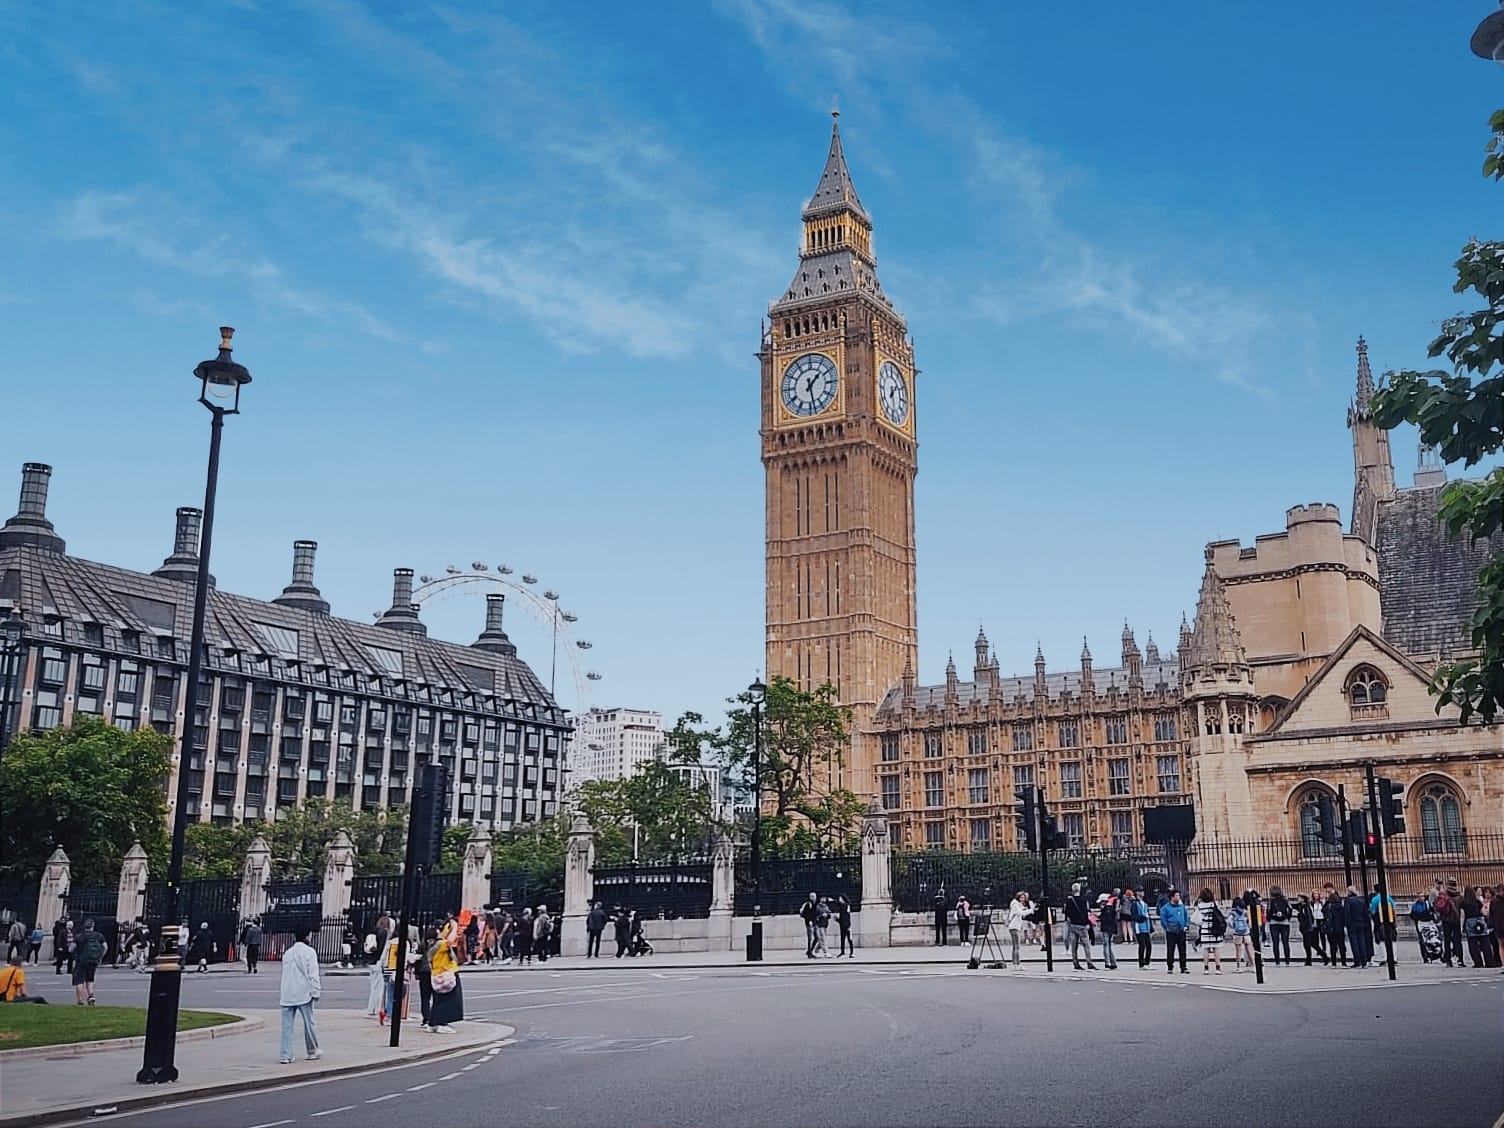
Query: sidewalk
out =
(66, 1085)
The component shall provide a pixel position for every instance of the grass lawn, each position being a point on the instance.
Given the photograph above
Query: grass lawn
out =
(28, 1024)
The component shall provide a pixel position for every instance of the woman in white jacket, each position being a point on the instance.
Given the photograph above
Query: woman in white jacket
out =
(1019, 909)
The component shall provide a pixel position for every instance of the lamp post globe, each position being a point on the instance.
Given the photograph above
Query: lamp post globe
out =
(1488, 37)
(220, 382)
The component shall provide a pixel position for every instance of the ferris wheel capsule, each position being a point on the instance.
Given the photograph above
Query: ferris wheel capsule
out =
(527, 579)
(569, 617)
(504, 569)
(583, 645)
(477, 565)
(593, 676)
(425, 579)
(551, 595)
(452, 570)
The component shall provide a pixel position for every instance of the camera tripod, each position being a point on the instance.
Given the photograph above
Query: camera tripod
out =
(985, 946)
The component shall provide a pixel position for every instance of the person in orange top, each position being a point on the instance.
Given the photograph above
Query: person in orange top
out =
(13, 983)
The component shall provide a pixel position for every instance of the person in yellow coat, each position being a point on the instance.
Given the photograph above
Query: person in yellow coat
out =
(448, 1005)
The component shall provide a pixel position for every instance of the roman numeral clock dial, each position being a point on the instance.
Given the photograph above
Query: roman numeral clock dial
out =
(809, 384)
(893, 393)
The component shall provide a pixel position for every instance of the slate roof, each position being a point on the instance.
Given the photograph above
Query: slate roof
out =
(81, 593)
(1427, 579)
(1056, 685)
(835, 193)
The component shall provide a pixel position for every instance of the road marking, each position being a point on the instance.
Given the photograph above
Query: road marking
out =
(332, 1111)
(387, 1097)
(472, 1065)
(420, 1088)
(450, 1076)
(271, 1124)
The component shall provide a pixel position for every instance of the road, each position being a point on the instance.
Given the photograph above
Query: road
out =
(934, 1046)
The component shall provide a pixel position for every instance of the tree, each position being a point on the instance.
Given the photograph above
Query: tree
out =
(1461, 412)
(654, 813)
(90, 788)
(211, 851)
(804, 743)
(300, 837)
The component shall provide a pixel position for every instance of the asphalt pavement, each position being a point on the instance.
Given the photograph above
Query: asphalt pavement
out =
(839, 1044)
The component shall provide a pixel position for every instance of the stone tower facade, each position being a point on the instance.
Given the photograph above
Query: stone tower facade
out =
(1373, 466)
(839, 449)
(1216, 684)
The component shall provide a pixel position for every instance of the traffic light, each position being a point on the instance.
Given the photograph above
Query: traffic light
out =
(1370, 846)
(1027, 818)
(1051, 836)
(1391, 809)
(426, 824)
(1357, 833)
(1326, 815)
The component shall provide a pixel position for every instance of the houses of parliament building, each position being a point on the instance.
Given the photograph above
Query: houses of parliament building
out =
(1308, 657)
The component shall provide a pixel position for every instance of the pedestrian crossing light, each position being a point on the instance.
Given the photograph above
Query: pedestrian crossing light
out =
(1370, 846)
(1027, 818)
(1391, 808)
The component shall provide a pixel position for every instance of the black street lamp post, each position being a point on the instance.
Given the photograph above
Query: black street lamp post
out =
(12, 663)
(757, 693)
(221, 380)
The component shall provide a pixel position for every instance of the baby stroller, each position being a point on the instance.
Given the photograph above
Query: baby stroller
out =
(1430, 940)
(640, 945)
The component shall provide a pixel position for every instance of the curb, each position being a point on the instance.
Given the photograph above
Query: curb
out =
(244, 1024)
(169, 1094)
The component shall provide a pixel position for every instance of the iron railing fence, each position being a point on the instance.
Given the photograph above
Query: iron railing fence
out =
(18, 902)
(681, 888)
(370, 896)
(996, 877)
(517, 891)
(1414, 862)
(786, 883)
(215, 901)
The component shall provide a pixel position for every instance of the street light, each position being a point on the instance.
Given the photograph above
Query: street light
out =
(1488, 39)
(757, 694)
(12, 651)
(220, 382)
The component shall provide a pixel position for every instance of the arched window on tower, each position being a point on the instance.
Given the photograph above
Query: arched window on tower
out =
(1213, 722)
(1440, 820)
(1367, 692)
(1308, 809)
(1235, 718)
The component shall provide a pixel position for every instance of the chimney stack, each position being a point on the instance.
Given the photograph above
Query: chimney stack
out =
(182, 565)
(301, 592)
(30, 525)
(494, 637)
(402, 615)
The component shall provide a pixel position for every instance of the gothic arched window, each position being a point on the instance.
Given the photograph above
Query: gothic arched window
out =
(1366, 686)
(1440, 820)
(1309, 810)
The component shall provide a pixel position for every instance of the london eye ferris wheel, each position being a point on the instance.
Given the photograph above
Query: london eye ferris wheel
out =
(539, 601)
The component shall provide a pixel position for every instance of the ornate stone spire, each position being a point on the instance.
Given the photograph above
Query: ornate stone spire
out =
(952, 681)
(835, 193)
(1151, 649)
(1363, 402)
(908, 679)
(1214, 640)
(1088, 684)
(981, 649)
(1185, 641)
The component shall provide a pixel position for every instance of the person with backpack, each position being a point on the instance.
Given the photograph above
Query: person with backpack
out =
(1107, 929)
(1213, 929)
(1359, 928)
(15, 939)
(963, 919)
(1449, 915)
(1240, 928)
(34, 945)
(90, 954)
(250, 943)
(62, 945)
(1280, 914)
(543, 931)
(1306, 909)
(203, 947)
(1135, 911)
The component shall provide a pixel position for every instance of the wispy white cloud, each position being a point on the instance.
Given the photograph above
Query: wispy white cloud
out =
(160, 231)
(1125, 285)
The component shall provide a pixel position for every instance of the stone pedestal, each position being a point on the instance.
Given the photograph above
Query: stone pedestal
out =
(255, 876)
(722, 928)
(56, 880)
(874, 923)
(579, 887)
(339, 874)
(475, 880)
(130, 898)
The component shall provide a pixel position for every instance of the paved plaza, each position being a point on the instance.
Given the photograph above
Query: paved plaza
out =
(867, 1043)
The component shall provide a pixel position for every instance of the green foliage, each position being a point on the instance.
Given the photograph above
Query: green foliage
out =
(452, 851)
(536, 849)
(657, 807)
(216, 851)
(91, 789)
(1462, 413)
(1493, 164)
(300, 838)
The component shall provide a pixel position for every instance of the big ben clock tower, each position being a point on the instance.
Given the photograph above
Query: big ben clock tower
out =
(839, 449)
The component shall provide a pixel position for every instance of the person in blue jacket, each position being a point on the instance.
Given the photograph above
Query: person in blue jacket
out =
(1174, 918)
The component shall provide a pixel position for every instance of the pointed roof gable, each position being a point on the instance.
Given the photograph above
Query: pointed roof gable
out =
(835, 193)
(1214, 639)
(1322, 702)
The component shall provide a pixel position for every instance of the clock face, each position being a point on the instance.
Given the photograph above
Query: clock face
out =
(809, 384)
(893, 393)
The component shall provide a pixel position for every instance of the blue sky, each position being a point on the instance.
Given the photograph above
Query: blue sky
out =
(499, 270)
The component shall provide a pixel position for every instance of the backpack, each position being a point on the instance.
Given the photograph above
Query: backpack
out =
(1218, 922)
(91, 950)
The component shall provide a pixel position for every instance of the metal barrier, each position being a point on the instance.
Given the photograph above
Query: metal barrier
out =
(785, 883)
(664, 892)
